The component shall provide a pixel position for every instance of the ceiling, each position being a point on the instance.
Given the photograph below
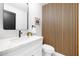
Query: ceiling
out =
(22, 6)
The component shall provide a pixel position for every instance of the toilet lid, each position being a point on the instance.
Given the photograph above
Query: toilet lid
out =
(48, 48)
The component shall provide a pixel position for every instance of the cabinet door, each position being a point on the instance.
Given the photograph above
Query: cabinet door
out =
(69, 16)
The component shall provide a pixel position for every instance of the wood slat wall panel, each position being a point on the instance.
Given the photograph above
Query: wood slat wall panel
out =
(60, 27)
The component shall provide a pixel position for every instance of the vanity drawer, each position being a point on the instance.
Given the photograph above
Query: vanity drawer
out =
(35, 51)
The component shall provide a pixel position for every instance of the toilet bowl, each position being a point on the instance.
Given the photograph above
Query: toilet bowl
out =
(47, 50)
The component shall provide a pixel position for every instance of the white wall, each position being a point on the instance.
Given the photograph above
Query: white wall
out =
(1, 16)
(35, 10)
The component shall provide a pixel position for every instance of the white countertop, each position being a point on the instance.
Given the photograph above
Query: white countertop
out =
(9, 43)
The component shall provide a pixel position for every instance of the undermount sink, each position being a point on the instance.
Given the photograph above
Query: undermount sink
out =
(21, 39)
(17, 40)
(24, 39)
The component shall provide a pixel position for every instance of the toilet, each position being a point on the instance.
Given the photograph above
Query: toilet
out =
(48, 50)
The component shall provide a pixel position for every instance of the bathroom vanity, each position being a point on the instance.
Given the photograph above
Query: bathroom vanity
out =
(24, 46)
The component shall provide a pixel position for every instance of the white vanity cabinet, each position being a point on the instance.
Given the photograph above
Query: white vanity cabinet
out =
(32, 47)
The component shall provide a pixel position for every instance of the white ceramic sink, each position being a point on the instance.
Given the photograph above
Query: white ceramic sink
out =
(14, 40)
